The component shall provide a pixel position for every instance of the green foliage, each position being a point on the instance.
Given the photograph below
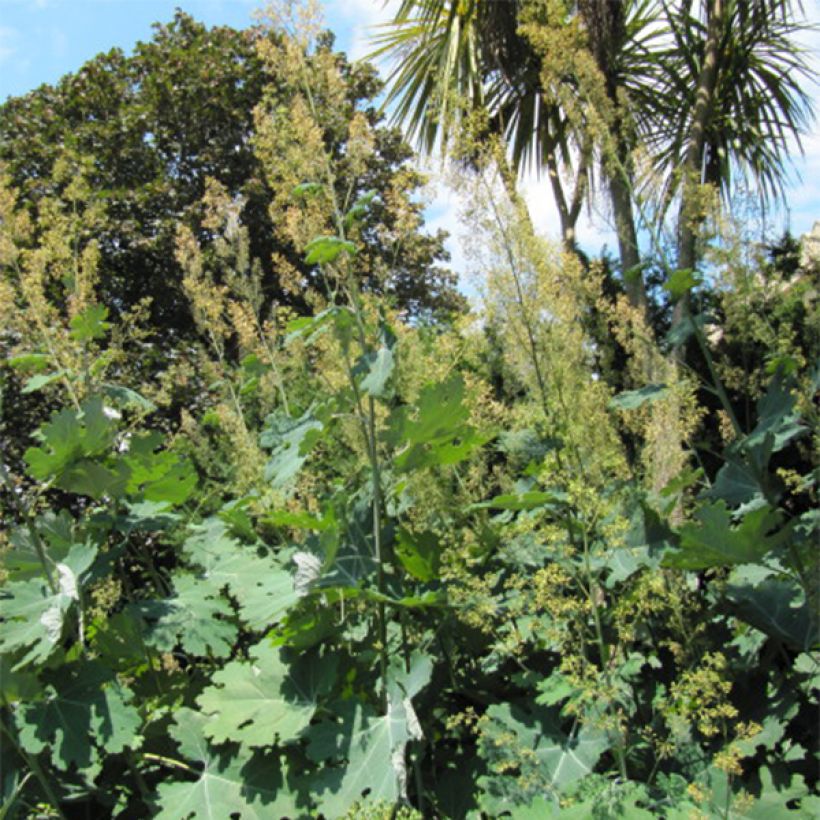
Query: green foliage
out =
(384, 568)
(266, 698)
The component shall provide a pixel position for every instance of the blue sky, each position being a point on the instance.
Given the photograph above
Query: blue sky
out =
(40, 40)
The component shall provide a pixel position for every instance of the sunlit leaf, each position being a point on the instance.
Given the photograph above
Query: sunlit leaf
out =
(90, 324)
(266, 698)
(326, 249)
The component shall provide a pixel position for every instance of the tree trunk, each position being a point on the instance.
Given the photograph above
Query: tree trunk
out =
(688, 220)
(621, 199)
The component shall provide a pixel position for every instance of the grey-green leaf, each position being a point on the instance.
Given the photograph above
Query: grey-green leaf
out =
(266, 698)
(632, 399)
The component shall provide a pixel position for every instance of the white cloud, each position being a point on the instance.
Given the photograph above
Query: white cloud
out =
(361, 16)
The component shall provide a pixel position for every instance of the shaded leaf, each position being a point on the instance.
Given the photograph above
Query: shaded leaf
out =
(195, 618)
(254, 788)
(714, 542)
(263, 588)
(86, 714)
(775, 604)
(419, 553)
(532, 743)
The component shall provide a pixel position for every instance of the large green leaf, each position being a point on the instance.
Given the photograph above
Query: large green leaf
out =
(68, 437)
(435, 431)
(745, 479)
(251, 788)
(419, 553)
(86, 714)
(776, 417)
(263, 588)
(54, 532)
(374, 369)
(349, 551)
(196, 618)
(775, 604)
(378, 368)
(17, 685)
(34, 616)
(737, 483)
(267, 698)
(372, 746)
(712, 541)
(161, 477)
(90, 324)
(770, 803)
(326, 249)
(88, 477)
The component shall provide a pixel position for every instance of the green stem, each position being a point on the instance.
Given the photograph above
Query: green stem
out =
(169, 761)
(24, 515)
(369, 430)
(144, 791)
(716, 382)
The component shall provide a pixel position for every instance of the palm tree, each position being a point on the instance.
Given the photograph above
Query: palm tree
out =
(739, 115)
(457, 57)
(711, 87)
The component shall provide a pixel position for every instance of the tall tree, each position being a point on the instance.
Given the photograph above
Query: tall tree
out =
(554, 82)
(732, 99)
(157, 125)
(708, 88)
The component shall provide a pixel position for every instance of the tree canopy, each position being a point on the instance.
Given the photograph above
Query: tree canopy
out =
(148, 130)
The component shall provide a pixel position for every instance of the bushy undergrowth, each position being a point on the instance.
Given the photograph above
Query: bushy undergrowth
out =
(347, 565)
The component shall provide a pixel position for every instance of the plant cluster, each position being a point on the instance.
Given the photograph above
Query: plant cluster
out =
(341, 562)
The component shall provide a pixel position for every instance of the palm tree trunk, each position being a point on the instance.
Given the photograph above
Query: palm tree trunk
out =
(688, 219)
(621, 200)
(568, 212)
